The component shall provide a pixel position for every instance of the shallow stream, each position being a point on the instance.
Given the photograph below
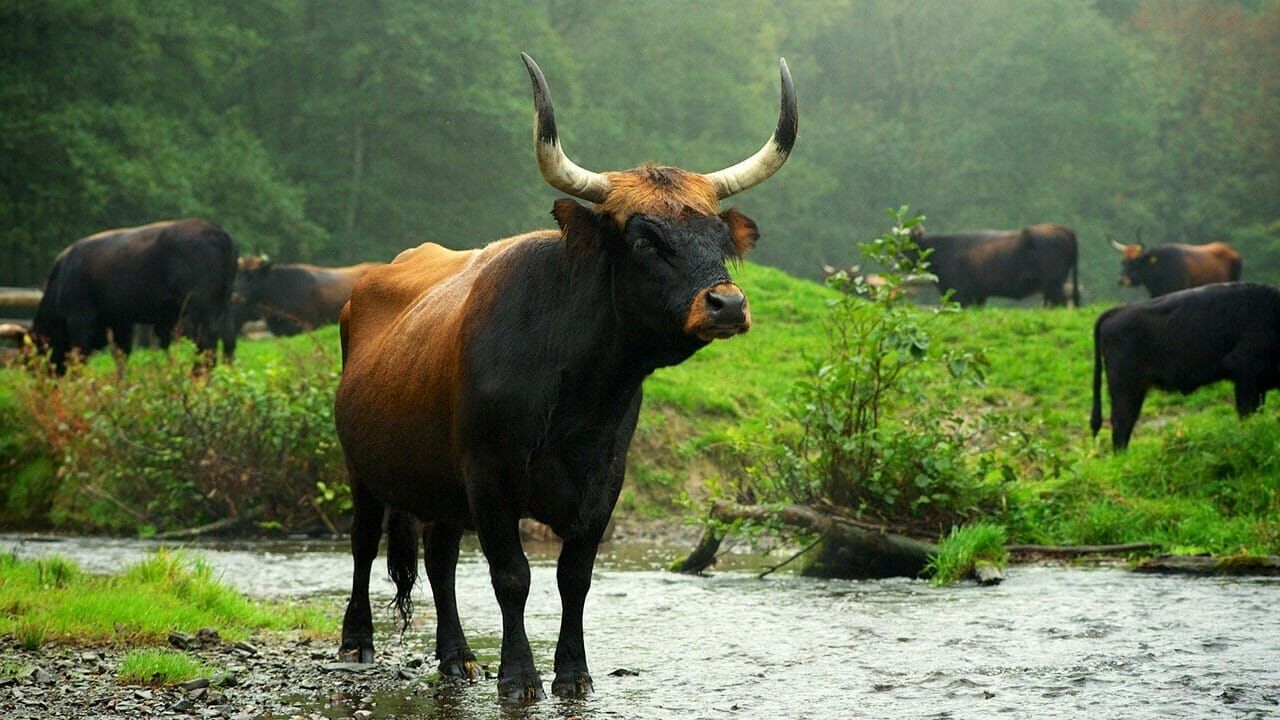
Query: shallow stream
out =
(1048, 642)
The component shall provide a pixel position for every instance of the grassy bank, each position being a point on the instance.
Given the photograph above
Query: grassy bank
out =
(51, 600)
(1194, 479)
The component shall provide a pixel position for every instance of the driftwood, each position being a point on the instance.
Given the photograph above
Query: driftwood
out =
(213, 527)
(1073, 550)
(846, 548)
(1206, 565)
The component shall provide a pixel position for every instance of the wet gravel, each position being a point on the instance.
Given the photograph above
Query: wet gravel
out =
(269, 676)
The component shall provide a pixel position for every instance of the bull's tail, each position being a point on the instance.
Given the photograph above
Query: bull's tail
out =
(402, 561)
(1095, 419)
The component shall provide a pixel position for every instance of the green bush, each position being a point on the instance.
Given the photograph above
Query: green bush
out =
(150, 445)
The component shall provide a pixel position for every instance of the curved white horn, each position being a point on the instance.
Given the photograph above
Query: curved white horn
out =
(755, 169)
(557, 169)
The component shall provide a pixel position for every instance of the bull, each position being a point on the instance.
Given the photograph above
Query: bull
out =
(101, 285)
(1004, 263)
(479, 386)
(1183, 341)
(292, 298)
(1172, 267)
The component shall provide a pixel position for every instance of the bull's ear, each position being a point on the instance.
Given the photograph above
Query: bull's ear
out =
(582, 229)
(742, 230)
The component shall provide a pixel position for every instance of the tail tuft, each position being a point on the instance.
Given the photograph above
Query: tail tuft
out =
(402, 562)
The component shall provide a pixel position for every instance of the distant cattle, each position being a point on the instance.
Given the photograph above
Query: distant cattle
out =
(1182, 341)
(1169, 268)
(159, 274)
(479, 386)
(292, 298)
(1004, 263)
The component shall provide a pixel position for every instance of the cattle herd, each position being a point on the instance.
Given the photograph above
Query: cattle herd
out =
(480, 386)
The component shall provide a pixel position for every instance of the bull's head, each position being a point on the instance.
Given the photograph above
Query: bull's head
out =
(252, 275)
(662, 227)
(1134, 261)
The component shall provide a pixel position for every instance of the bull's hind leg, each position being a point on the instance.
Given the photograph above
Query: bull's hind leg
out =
(1126, 404)
(456, 659)
(366, 532)
(573, 575)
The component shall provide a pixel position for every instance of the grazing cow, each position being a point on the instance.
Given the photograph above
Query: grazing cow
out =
(158, 273)
(1169, 268)
(292, 298)
(479, 386)
(1182, 341)
(1004, 263)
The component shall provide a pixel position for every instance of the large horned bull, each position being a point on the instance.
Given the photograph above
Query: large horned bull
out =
(485, 385)
(1168, 268)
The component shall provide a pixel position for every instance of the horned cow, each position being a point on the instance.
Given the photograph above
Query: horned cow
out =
(1168, 268)
(292, 298)
(482, 385)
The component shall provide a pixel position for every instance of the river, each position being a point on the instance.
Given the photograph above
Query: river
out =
(1048, 642)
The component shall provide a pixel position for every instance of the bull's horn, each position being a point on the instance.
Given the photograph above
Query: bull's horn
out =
(755, 169)
(558, 170)
(1117, 246)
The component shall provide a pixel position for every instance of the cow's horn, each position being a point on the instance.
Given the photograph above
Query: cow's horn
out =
(1118, 246)
(558, 170)
(755, 169)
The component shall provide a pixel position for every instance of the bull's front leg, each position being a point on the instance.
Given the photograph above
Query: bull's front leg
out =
(497, 526)
(573, 575)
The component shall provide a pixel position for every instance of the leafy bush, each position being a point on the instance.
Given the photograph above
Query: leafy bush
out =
(862, 431)
(154, 446)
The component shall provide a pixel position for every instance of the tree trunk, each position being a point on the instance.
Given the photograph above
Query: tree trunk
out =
(847, 549)
(1206, 565)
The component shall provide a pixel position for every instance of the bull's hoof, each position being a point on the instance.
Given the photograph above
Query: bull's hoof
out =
(524, 688)
(462, 666)
(356, 651)
(572, 685)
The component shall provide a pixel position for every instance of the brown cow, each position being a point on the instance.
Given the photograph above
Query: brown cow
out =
(479, 386)
(1169, 268)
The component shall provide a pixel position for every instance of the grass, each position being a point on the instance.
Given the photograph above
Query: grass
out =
(961, 552)
(50, 600)
(161, 667)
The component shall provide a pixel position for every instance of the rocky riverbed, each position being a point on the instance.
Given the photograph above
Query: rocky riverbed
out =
(269, 676)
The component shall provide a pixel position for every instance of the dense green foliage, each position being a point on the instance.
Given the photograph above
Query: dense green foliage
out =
(332, 132)
(50, 600)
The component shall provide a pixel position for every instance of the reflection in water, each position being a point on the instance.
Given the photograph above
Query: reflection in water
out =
(1049, 642)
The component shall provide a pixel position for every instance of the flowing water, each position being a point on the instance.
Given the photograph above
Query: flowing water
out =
(1048, 642)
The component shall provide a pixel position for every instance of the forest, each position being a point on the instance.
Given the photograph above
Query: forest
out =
(334, 132)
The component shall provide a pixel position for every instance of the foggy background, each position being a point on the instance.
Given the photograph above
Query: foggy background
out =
(336, 132)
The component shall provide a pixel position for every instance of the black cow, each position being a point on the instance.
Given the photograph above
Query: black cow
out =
(1004, 263)
(482, 385)
(1182, 341)
(159, 273)
(293, 298)
(1168, 268)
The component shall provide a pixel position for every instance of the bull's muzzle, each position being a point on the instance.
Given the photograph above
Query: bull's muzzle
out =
(718, 312)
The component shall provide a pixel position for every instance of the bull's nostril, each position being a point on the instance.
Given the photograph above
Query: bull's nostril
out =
(715, 301)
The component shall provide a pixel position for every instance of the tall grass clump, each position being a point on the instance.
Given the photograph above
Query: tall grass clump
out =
(161, 667)
(964, 549)
(147, 445)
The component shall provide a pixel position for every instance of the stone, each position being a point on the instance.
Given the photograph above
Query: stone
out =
(195, 684)
(182, 640)
(348, 667)
(208, 636)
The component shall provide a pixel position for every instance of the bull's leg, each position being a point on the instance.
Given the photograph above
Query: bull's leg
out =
(366, 531)
(497, 525)
(455, 656)
(83, 332)
(164, 334)
(573, 574)
(1248, 396)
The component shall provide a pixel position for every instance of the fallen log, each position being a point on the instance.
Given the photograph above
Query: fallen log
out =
(16, 297)
(847, 548)
(213, 527)
(1239, 565)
